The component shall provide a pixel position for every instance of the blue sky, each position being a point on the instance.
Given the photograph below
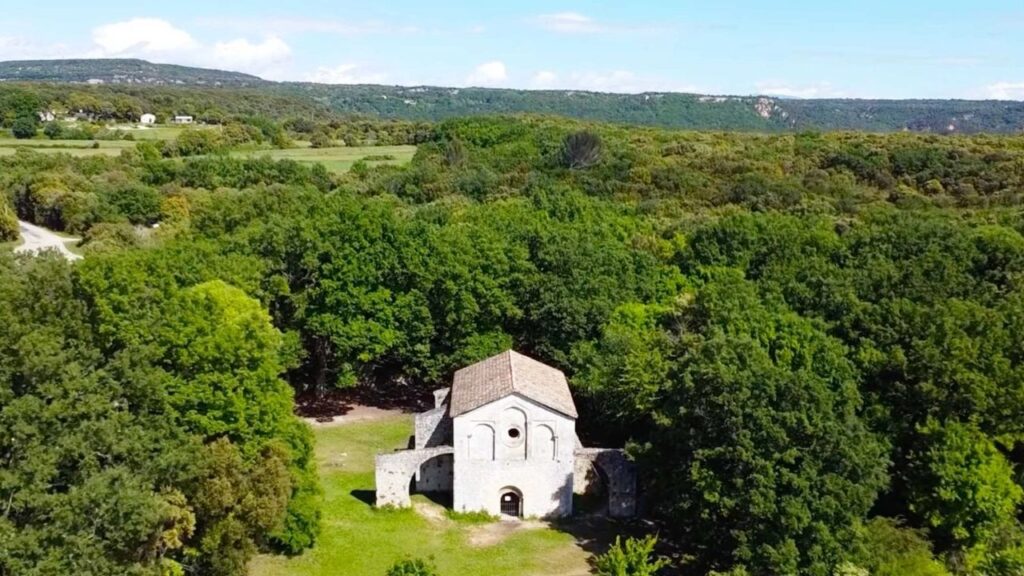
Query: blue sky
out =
(798, 48)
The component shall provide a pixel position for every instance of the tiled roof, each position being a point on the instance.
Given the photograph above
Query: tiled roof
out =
(510, 373)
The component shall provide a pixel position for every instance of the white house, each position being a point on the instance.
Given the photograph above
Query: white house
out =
(183, 120)
(147, 119)
(502, 440)
(47, 116)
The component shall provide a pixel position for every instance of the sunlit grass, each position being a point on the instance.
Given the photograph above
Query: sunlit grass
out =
(360, 540)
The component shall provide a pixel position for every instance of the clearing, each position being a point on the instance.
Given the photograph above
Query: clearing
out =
(360, 540)
(338, 159)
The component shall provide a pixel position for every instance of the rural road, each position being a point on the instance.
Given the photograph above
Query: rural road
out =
(37, 239)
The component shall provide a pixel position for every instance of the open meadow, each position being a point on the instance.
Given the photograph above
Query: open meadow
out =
(360, 540)
(336, 159)
(76, 148)
(340, 158)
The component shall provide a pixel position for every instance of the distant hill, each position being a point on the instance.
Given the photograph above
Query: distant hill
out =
(671, 110)
(120, 71)
(675, 110)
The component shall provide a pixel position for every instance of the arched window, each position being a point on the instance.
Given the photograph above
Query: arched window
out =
(513, 425)
(544, 443)
(481, 443)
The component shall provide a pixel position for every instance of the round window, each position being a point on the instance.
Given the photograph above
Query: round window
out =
(513, 433)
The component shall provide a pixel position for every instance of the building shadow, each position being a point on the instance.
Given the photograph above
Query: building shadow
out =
(368, 497)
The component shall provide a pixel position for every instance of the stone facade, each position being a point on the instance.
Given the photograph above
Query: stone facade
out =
(515, 452)
(514, 443)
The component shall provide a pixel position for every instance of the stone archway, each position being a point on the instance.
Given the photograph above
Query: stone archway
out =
(617, 473)
(393, 472)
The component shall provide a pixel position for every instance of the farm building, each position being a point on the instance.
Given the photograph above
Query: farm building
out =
(183, 120)
(147, 119)
(502, 440)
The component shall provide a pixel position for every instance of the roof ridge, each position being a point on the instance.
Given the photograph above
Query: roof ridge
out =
(511, 370)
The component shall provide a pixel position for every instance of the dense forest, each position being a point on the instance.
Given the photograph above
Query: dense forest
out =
(810, 343)
(153, 86)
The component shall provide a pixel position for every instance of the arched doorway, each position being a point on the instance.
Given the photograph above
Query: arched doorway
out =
(511, 503)
(593, 498)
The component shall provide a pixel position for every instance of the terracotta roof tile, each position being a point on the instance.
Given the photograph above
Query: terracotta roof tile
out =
(510, 373)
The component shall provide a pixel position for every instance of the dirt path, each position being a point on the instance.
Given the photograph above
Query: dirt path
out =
(36, 239)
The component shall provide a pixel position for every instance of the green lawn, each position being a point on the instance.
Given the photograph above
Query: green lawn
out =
(359, 540)
(337, 159)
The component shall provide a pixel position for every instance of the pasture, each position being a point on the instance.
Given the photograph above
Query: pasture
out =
(360, 540)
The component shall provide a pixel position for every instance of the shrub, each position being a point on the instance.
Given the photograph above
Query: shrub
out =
(630, 558)
(581, 150)
(412, 567)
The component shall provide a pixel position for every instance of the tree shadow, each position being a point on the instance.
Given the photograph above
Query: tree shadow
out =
(387, 392)
(595, 532)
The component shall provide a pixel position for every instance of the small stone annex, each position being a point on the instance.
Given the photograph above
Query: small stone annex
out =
(502, 440)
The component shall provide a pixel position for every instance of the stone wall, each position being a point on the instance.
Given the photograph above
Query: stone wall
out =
(433, 428)
(441, 397)
(435, 475)
(395, 470)
(619, 474)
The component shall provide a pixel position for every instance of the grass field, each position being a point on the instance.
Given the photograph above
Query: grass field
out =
(79, 148)
(360, 540)
(337, 159)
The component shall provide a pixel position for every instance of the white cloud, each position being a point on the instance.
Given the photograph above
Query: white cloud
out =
(569, 23)
(785, 90)
(544, 79)
(617, 81)
(345, 74)
(19, 48)
(161, 41)
(491, 73)
(241, 54)
(141, 36)
(1005, 91)
(284, 26)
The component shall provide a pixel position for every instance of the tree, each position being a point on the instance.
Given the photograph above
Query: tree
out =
(961, 485)
(320, 139)
(94, 475)
(226, 358)
(24, 127)
(53, 130)
(886, 548)
(756, 451)
(8, 223)
(630, 558)
(581, 150)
